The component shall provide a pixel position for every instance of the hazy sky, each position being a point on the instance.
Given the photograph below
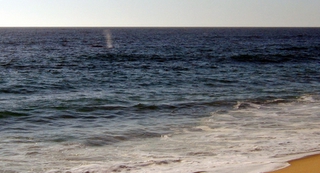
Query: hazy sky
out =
(160, 13)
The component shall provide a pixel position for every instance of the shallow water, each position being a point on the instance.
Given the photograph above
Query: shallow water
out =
(251, 139)
(157, 100)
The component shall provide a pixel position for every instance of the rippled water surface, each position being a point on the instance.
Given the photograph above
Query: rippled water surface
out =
(157, 99)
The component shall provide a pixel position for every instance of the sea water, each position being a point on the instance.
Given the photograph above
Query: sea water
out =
(220, 100)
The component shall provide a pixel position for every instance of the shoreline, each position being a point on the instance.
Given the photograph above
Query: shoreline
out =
(305, 163)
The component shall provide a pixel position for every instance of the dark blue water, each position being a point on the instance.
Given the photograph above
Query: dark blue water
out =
(61, 84)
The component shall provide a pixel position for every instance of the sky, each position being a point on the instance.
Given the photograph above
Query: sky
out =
(160, 13)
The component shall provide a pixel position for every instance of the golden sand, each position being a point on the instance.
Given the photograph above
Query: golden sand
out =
(309, 164)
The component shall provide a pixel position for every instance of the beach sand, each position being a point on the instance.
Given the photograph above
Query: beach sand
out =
(309, 164)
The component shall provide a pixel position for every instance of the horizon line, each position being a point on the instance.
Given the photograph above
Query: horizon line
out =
(159, 26)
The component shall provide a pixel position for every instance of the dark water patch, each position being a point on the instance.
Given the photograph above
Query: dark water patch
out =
(103, 140)
(219, 104)
(39, 120)
(201, 154)
(87, 109)
(98, 116)
(61, 108)
(141, 134)
(67, 116)
(136, 108)
(142, 107)
(6, 114)
(62, 138)
(294, 48)
(274, 58)
(109, 139)
(262, 58)
(18, 89)
(97, 108)
(131, 57)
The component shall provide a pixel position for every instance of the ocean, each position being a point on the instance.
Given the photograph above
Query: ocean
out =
(189, 100)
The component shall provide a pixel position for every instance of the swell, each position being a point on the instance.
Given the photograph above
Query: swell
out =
(91, 108)
(94, 61)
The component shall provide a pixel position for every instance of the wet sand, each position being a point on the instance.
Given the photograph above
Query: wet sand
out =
(309, 164)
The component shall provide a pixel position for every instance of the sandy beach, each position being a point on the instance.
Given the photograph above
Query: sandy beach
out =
(308, 164)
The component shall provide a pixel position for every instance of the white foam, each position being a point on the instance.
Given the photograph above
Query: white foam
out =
(251, 140)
